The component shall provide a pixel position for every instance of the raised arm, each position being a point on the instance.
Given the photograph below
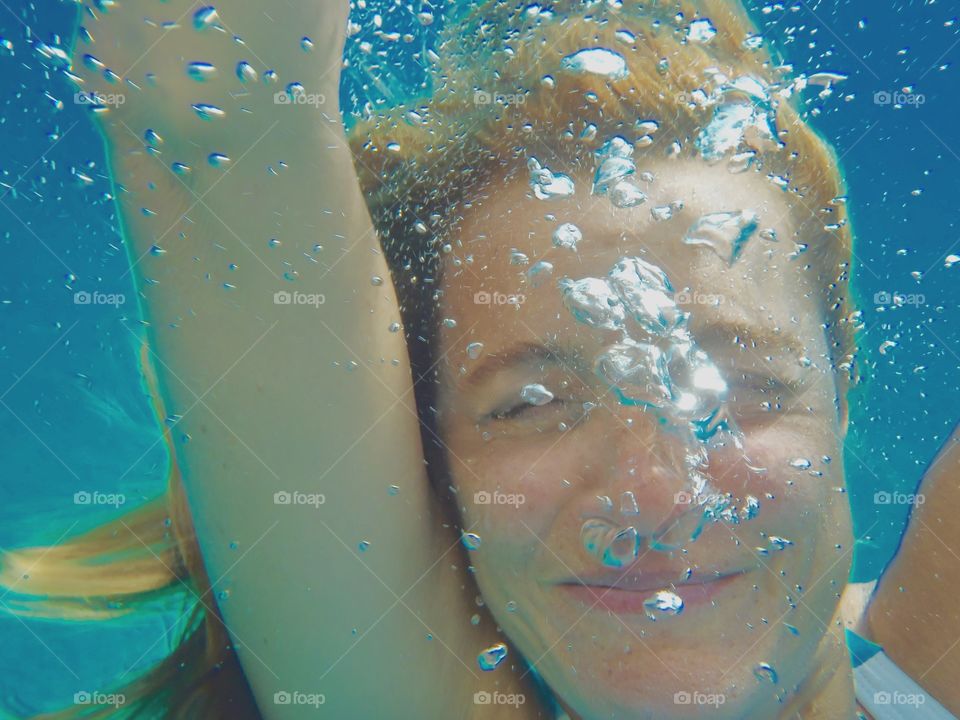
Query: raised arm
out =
(259, 277)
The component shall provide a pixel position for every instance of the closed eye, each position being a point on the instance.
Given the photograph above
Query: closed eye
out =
(525, 410)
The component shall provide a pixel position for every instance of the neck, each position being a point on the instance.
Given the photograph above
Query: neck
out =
(827, 693)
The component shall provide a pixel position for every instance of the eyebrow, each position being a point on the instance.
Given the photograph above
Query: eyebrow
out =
(725, 332)
(521, 353)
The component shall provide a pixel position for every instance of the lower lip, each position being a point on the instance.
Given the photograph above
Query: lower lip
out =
(631, 602)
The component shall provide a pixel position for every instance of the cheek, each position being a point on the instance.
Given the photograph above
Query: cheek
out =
(795, 456)
(504, 480)
(803, 504)
(506, 490)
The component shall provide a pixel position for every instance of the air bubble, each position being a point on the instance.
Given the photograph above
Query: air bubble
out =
(567, 236)
(596, 61)
(245, 72)
(205, 17)
(491, 657)
(614, 546)
(628, 504)
(627, 195)
(701, 31)
(546, 185)
(725, 233)
(663, 602)
(201, 71)
(536, 394)
(766, 672)
(206, 111)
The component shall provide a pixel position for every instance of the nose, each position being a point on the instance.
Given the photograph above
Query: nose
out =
(641, 478)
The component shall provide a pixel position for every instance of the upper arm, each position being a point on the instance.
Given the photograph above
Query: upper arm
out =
(269, 396)
(915, 614)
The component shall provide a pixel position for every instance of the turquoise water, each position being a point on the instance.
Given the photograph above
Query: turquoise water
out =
(74, 417)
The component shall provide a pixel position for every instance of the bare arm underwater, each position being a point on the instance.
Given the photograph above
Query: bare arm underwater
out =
(290, 402)
(914, 613)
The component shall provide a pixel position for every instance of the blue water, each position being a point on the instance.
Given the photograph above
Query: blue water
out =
(73, 415)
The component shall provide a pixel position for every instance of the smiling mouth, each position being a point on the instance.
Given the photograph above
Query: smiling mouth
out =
(627, 595)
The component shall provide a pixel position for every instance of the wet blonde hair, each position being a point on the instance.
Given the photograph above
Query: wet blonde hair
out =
(146, 559)
(421, 166)
(502, 97)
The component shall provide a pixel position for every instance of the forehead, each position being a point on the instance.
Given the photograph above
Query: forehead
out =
(770, 289)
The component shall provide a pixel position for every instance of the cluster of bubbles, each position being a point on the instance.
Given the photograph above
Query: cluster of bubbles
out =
(655, 364)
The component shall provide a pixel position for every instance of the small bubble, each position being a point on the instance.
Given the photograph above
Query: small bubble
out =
(765, 671)
(205, 17)
(201, 71)
(664, 602)
(596, 61)
(491, 657)
(536, 394)
(701, 31)
(567, 236)
(628, 504)
(205, 111)
(626, 195)
(245, 72)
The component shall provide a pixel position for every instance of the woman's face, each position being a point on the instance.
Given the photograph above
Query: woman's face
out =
(760, 590)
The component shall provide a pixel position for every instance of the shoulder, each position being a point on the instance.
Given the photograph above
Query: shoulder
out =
(913, 613)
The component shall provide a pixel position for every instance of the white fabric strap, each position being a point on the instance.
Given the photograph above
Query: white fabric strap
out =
(888, 693)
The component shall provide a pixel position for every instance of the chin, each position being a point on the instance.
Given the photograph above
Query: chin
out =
(676, 667)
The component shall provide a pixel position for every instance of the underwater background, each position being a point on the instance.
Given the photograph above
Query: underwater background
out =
(74, 416)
